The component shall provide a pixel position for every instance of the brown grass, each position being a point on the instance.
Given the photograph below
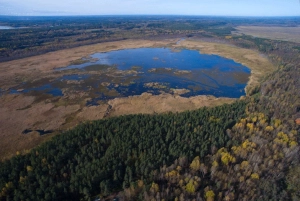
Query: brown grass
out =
(13, 121)
(275, 33)
(151, 104)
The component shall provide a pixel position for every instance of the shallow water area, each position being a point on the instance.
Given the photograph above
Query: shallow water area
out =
(47, 88)
(128, 72)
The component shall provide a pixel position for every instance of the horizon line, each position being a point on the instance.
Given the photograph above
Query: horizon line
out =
(116, 15)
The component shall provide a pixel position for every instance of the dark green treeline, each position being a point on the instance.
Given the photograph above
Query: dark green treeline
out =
(107, 155)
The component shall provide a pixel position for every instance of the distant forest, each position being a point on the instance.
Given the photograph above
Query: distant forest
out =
(248, 150)
(39, 35)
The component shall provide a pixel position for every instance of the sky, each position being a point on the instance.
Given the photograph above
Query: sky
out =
(151, 7)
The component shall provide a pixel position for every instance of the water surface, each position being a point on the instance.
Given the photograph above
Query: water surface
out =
(130, 72)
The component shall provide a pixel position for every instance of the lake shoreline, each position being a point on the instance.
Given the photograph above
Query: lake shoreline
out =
(19, 112)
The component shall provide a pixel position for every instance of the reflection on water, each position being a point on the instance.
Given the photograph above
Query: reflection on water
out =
(129, 72)
(149, 58)
(47, 88)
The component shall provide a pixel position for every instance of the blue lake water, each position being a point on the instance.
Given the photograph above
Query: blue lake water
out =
(148, 58)
(201, 74)
(214, 74)
(47, 88)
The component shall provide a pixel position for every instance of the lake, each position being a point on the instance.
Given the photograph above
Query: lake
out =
(130, 72)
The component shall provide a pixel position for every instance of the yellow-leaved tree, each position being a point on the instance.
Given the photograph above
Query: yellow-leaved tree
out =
(210, 195)
(195, 165)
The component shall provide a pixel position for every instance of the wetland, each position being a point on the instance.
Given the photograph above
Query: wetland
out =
(128, 72)
(70, 80)
(61, 89)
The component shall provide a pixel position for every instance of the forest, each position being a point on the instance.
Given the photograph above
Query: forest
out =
(248, 150)
(39, 35)
(82, 161)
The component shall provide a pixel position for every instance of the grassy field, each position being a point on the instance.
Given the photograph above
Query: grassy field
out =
(275, 33)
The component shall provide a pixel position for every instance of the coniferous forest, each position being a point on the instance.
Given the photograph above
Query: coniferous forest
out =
(248, 150)
(108, 155)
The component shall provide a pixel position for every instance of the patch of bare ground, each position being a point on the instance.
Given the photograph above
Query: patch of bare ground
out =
(259, 65)
(274, 33)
